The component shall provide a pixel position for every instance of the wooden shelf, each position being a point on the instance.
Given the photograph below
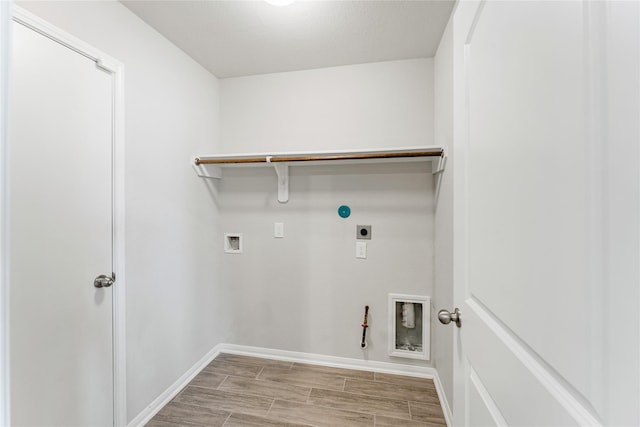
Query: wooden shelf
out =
(211, 166)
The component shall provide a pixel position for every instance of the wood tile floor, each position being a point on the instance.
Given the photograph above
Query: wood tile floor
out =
(234, 391)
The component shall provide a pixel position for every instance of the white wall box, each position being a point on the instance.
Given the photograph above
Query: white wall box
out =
(409, 326)
(233, 243)
(211, 166)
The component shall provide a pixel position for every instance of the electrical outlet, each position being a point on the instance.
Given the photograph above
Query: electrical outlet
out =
(361, 250)
(363, 232)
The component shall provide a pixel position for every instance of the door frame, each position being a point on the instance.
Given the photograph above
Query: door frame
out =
(5, 42)
(116, 69)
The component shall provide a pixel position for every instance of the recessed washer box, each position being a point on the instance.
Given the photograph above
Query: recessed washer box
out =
(233, 243)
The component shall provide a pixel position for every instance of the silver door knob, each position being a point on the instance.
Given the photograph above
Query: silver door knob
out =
(445, 317)
(103, 281)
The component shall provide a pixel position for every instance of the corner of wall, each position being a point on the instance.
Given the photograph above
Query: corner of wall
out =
(443, 281)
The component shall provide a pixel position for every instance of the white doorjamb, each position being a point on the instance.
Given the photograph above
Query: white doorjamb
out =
(5, 42)
(116, 69)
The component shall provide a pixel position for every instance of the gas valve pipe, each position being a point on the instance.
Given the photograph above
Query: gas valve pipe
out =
(363, 344)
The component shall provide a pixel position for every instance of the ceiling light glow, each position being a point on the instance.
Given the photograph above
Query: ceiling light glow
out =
(280, 2)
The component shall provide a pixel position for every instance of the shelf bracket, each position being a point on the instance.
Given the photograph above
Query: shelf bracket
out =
(438, 167)
(282, 170)
(207, 171)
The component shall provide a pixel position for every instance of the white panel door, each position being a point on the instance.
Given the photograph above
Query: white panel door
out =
(546, 213)
(60, 141)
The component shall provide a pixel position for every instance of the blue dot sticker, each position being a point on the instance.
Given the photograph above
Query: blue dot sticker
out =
(344, 211)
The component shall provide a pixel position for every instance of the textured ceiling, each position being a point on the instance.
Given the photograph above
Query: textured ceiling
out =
(238, 38)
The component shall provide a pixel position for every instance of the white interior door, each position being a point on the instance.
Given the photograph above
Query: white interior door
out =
(546, 205)
(60, 142)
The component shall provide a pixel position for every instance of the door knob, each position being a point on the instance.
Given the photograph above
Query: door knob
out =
(445, 317)
(103, 281)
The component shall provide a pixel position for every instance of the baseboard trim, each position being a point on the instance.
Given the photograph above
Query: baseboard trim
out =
(333, 361)
(292, 356)
(154, 407)
(444, 403)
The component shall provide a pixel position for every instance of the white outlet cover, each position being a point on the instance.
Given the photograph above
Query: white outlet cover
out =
(278, 230)
(361, 250)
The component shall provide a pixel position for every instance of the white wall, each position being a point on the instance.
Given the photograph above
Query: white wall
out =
(385, 104)
(171, 114)
(443, 285)
(307, 292)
